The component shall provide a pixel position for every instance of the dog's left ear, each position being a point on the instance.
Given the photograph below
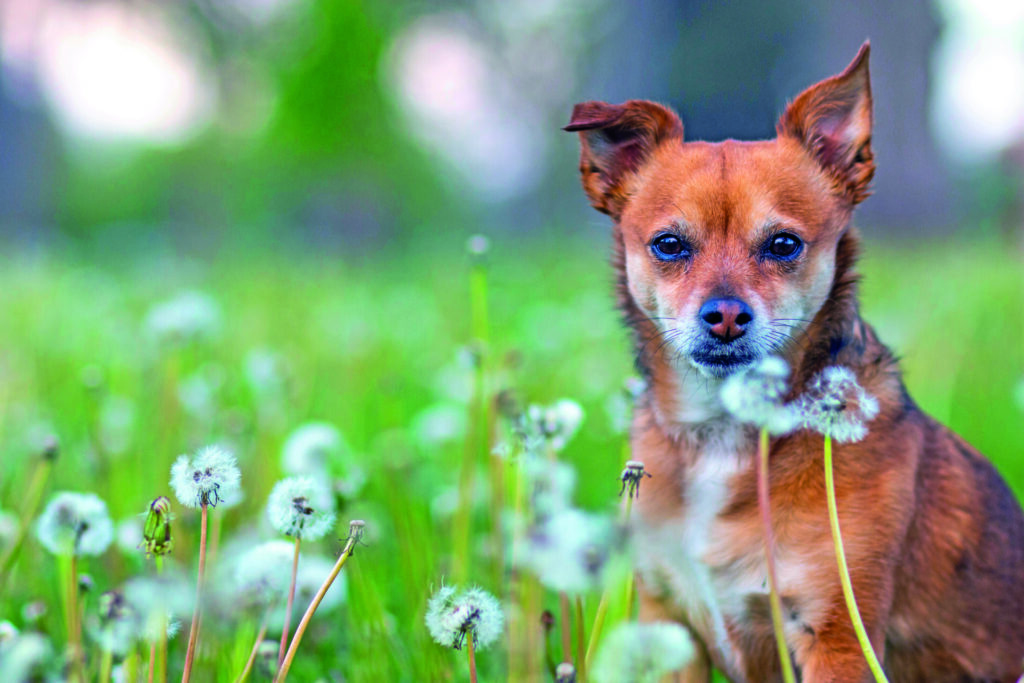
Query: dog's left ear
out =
(832, 120)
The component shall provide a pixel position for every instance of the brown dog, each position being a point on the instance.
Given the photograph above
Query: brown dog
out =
(728, 252)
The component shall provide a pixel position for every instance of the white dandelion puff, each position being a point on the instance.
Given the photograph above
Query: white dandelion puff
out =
(156, 601)
(478, 245)
(301, 507)
(569, 550)
(186, 317)
(24, 657)
(319, 449)
(451, 614)
(550, 484)
(836, 405)
(550, 426)
(115, 627)
(75, 524)
(641, 653)
(209, 478)
(756, 396)
(264, 572)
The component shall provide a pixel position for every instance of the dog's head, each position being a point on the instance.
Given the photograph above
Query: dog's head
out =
(729, 248)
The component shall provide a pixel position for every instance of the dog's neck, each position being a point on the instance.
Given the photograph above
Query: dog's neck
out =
(686, 404)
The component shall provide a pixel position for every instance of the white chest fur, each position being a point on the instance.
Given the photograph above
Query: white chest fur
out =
(683, 557)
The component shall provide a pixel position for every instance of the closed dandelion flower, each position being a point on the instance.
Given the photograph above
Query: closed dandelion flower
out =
(836, 405)
(207, 479)
(641, 653)
(156, 533)
(756, 396)
(451, 614)
(569, 551)
(75, 524)
(301, 507)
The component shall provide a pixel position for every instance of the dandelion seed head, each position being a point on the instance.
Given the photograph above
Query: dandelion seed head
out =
(569, 551)
(550, 426)
(264, 572)
(156, 601)
(565, 673)
(451, 614)
(207, 479)
(318, 449)
(478, 245)
(24, 657)
(835, 404)
(7, 631)
(756, 396)
(635, 653)
(75, 524)
(115, 627)
(301, 507)
(186, 317)
(550, 484)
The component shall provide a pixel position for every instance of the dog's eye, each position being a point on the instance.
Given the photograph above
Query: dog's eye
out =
(783, 246)
(669, 247)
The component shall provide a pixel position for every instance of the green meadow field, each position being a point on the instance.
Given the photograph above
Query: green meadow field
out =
(383, 349)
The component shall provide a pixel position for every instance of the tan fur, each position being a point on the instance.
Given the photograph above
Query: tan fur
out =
(934, 538)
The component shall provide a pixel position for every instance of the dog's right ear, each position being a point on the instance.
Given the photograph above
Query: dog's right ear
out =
(615, 139)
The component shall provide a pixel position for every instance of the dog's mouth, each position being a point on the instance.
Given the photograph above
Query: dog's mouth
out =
(718, 364)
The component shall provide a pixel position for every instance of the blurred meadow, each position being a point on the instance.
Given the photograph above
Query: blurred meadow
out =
(225, 220)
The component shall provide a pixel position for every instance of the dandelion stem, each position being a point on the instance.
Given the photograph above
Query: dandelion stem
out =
(70, 564)
(774, 599)
(563, 603)
(106, 664)
(291, 601)
(632, 579)
(193, 632)
(471, 655)
(844, 570)
(602, 607)
(158, 560)
(255, 649)
(581, 643)
(152, 661)
(28, 512)
(282, 673)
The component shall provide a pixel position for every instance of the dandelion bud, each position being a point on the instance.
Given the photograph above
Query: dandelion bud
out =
(756, 396)
(75, 524)
(156, 534)
(642, 652)
(631, 478)
(209, 478)
(51, 448)
(452, 614)
(301, 507)
(85, 584)
(565, 673)
(836, 405)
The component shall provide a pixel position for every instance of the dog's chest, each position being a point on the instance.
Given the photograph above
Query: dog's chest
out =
(692, 558)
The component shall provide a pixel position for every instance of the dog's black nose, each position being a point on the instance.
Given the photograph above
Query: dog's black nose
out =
(726, 318)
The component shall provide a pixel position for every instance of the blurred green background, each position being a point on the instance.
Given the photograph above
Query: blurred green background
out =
(314, 168)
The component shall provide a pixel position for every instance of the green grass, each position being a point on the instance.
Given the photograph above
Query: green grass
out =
(369, 343)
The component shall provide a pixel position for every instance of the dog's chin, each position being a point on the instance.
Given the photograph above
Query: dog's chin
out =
(721, 365)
